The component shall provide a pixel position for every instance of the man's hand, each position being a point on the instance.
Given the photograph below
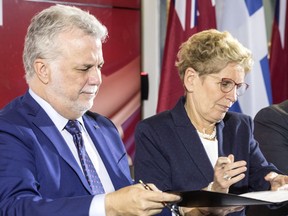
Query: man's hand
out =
(136, 200)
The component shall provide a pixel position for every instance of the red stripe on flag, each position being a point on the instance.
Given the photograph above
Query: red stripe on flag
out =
(279, 62)
(171, 87)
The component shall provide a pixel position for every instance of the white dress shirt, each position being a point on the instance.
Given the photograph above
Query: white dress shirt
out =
(97, 206)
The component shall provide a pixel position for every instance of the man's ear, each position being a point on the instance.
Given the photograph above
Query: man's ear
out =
(189, 78)
(41, 70)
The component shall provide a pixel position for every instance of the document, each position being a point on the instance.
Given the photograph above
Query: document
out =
(268, 196)
(203, 198)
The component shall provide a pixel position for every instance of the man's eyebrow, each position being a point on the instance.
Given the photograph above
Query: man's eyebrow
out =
(87, 65)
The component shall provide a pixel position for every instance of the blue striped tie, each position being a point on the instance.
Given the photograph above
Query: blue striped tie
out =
(73, 127)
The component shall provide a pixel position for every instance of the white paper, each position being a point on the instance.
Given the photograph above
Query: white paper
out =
(268, 196)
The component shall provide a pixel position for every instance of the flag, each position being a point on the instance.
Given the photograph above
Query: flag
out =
(245, 20)
(279, 53)
(186, 17)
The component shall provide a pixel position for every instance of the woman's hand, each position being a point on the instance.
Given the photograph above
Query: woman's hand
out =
(227, 172)
(209, 211)
(277, 181)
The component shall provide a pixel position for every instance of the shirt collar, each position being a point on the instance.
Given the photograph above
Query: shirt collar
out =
(59, 121)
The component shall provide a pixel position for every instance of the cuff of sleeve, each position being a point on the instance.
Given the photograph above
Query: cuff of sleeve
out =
(97, 206)
(209, 188)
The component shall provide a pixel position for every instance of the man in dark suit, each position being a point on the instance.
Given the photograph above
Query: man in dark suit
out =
(52, 149)
(271, 131)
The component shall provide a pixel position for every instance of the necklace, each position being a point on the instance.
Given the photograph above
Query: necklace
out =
(208, 136)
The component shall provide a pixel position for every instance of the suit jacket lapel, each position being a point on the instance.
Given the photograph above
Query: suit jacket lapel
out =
(45, 124)
(220, 127)
(96, 134)
(191, 141)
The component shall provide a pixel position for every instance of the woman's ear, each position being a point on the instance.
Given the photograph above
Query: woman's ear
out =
(41, 70)
(189, 78)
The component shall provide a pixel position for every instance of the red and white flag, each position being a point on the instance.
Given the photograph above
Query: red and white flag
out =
(186, 17)
(279, 53)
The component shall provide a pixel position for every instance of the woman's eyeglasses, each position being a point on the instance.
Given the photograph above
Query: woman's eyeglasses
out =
(227, 85)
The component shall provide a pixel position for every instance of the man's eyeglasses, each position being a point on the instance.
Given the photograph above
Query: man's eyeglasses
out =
(227, 85)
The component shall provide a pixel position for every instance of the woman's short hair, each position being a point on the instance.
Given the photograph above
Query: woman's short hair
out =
(210, 51)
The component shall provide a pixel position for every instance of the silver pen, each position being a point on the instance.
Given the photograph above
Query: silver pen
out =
(172, 207)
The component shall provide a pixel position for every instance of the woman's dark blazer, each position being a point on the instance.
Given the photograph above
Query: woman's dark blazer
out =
(169, 152)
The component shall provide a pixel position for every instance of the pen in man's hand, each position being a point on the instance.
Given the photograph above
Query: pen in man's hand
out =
(172, 208)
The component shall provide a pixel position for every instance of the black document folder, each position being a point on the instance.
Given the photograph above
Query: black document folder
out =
(203, 198)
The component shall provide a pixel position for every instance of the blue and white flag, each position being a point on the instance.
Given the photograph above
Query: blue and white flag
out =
(245, 20)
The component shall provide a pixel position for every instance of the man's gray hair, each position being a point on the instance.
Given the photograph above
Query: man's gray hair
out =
(48, 24)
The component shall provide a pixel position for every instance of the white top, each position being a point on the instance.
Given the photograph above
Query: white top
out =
(211, 148)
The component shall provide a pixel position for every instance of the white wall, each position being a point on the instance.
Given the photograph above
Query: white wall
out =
(154, 21)
(1, 13)
(151, 52)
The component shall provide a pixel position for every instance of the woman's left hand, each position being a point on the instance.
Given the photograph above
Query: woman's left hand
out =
(277, 181)
(227, 172)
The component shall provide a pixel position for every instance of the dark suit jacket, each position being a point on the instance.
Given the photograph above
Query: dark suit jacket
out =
(169, 152)
(38, 173)
(271, 131)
